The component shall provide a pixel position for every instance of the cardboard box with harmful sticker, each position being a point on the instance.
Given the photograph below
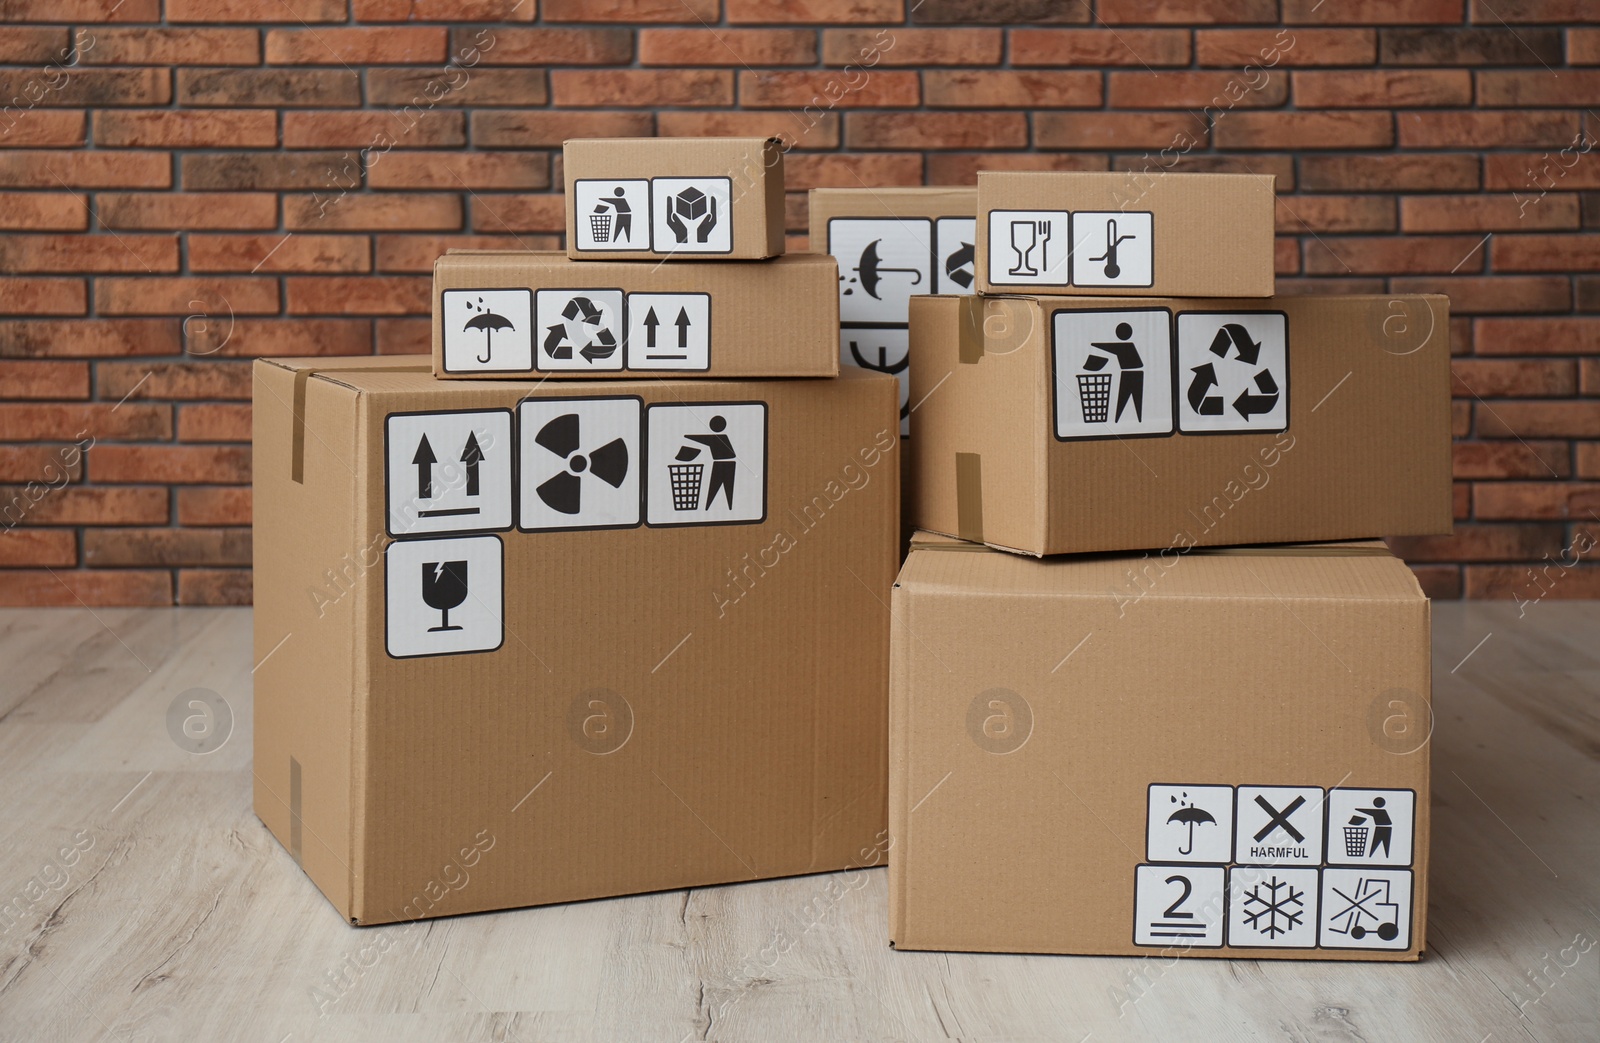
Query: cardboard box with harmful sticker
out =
(1218, 753)
(1054, 425)
(674, 198)
(1125, 234)
(892, 244)
(522, 314)
(531, 643)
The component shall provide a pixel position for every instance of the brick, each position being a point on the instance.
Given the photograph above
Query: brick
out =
(214, 423)
(1546, 253)
(135, 210)
(22, 547)
(378, 131)
(1478, 47)
(214, 587)
(1486, 129)
(511, 214)
(42, 463)
(25, 169)
(289, 11)
(33, 422)
(1588, 454)
(814, 131)
(43, 128)
(253, 338)
(1589, 377)
(88, 253)
(88, 86)
(43, 212)
(546, 46)
(80, 338)
(1557, 580)
(1218, 91)
(1506, 378)
(460, 170)
(1005, 88)
(1534, 173)
(166, 547)
(1519, 11)
(372, 295)
(1573, 335)
(826, 89)
(200, 379)
(1336, 214)
(171, 464)
(83, 505)
(391, 211)
(1148, 48)
(96, 588)
(455, 87)
(997, 12)
(1237, 48)
(167, 128)
(223, 505)
(45, 379)
(38, 295)
(80, 11)
(1180, 131)
(1472, 542)
(328, 171)
(389, 45)
(852, 170)
(1286, 256)
(145, 46)
(1538, 419)
(632, 11)
(1583, 46)
(404, 336)
(268, 88)
(961, 168)
(929, 130)
(1383, 88)
(1527, 501)
(35, 45)
(1372, 12)
(279, 252)
(1529, 87)
(415, 254)
(1391, 173)
(1305, 130)
(580, 88)
(869, 48)
(1439, 582)
(1392, 255)
(1187, 12)
(838, 12)
(1480, 295)
(534, 129)
(1280, 167)
(182, 295)
(1510, 460)
(445, 10)
(1488, 213)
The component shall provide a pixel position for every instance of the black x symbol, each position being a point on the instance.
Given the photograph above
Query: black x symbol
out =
(1280, 818)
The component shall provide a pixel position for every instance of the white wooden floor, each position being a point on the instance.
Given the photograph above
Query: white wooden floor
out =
(141, 900)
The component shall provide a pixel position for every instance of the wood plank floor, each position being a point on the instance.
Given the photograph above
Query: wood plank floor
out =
(140, 899)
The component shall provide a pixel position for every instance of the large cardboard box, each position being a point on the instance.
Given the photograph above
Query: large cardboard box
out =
(1219, 753)
(520, 644)
(892, 244)
(520, 314)
(663, 198)
(1054, 424)
(1125, 234)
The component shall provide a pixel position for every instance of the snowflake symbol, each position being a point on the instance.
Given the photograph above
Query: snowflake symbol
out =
(1272, 901)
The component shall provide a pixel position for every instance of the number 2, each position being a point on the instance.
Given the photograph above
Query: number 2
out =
(1188, 888)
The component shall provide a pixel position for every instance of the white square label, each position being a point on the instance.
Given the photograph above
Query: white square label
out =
(953, 254)
(487, 331)
(883, 262)
(1366, 909)
(886, 350)
(1233, 371)
(669, 331)
(1272, 908)
(1029, 247)
(1178, 907)
(611, 215)
(580, 463)
(1190, 824)
(1113, 373)
(444, 596)
(579, 329)
(1279, 825)
(448, 472)
(708, 463)
(1112, 249)
(691, 215)
(1371, 827)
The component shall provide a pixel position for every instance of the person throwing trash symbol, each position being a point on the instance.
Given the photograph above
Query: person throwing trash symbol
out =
(618, 229)
(724, 461)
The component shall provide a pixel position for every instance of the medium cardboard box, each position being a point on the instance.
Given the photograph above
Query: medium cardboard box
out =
(520, 314)
(520, 644)
(1219, 753)
(1054, 424)
(683, 198)
(1125, 234)
(891, 244)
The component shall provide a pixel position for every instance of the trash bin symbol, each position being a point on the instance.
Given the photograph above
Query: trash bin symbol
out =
(600, 225)
(1094, 393)
(1355, 841)
(686, 485)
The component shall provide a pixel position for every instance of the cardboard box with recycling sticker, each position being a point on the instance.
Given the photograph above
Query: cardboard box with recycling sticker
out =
(516, 315)
(1067, 425)
(1258, 790)
(674, 198)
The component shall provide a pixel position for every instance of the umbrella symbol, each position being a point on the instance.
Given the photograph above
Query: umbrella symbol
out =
(488, 322)
(1190, 816)
(870, 268)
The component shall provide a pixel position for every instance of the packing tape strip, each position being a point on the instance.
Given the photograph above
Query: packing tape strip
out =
(297, 445)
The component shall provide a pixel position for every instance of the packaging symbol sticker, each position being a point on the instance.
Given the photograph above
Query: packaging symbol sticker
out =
(1113, 373)
(1029, 247)
(1272, 907)
(487, 331)
(579, 463)
(1233, 371)
(612, 215)
(448, 472)
(1371, 827)
(707, 463)
(443, 596)
(1366, 909)
(1279, 825)
(691, 215)
(885, 349)
(1190, 824)
(669, 331)
(953, 252)
(883, 261)
(579, 329)
(1179, 907)
(1112, 248)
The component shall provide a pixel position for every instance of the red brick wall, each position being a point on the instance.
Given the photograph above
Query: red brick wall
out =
(183, 186)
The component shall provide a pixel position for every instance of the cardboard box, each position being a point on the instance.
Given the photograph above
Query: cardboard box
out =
(520, 644)
(1219, 753)
(1125, 234)
(1056, 424)
(891, 244)
(684, 198)
(505, 314)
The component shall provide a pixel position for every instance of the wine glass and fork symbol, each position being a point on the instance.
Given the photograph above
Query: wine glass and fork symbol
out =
(1027, 236)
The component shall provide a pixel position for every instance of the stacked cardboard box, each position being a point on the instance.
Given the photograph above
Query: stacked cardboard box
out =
(1200, 747)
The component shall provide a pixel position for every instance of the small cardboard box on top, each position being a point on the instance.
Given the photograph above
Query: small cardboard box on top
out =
(892, 244)
(1125, 234)
(1056, 425)
(527, 644)
(1216, 753)
(674, 198)
(522, 314)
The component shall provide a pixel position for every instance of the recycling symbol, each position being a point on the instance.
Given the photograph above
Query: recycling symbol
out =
(583, 329)
(1213, 381)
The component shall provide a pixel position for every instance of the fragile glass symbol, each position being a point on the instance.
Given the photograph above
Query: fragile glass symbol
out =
(1027, 236)
(444, 587)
